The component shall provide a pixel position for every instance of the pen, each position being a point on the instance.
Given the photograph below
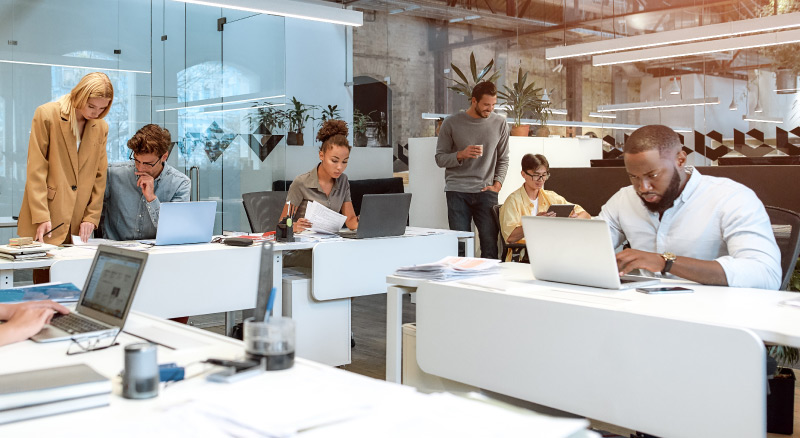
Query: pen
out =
(53, 229)
(288, 208)
(270, 303)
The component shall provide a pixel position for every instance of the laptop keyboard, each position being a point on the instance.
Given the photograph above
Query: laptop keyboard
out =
(72, 323)
(349, 234)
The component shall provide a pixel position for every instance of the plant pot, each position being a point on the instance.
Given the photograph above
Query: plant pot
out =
(542, 131)
(520, 131)
(786, 81)
(360, 139)
(372, 135)
(294, 138)
(780, 402)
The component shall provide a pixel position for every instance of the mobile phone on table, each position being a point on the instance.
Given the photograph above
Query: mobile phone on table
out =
(561, 210)
(664, 290)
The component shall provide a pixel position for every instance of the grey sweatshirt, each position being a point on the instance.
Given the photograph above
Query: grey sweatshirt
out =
(471, 175)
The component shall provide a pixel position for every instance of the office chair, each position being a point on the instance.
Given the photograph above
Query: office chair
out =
(786, 226)
(263, 209)
(516, 248)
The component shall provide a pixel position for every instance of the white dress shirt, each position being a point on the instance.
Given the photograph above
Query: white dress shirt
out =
(712, 219)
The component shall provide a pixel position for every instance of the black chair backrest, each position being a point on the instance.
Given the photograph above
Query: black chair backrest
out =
(361, 187)
(263, 209)
(504, 246)
(786, 226)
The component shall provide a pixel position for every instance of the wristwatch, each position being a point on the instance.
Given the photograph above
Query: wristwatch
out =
(669, 258)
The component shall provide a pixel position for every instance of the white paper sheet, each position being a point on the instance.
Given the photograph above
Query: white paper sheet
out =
(323, 219)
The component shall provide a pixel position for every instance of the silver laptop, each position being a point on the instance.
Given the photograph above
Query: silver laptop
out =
(185, 222)
(382, 215)
(105, 300)
(575, 251)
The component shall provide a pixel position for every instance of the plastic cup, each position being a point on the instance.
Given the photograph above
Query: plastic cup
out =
(480, 146)
(272, 343)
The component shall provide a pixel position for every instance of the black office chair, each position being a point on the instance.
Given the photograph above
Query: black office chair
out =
(263, 209)
(786, 226)
(516, 249)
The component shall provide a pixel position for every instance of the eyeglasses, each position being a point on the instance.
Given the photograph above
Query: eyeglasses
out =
(538, 176)
(131, 157)
(85, 345)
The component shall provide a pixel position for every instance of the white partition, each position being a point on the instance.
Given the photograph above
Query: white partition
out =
(426, 179)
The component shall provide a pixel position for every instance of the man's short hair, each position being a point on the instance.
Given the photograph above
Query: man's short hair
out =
(485, 87)
(150, 139)
(650, 137)
(532, 162)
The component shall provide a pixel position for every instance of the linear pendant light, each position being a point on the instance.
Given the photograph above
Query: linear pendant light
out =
(95, 68)
(289, 8)
(633, 106)
(761, 118)
(603, 115)
(699, 48)
(720, 30)
(563, 123)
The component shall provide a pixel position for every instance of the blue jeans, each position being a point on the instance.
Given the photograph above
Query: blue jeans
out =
(463, 208)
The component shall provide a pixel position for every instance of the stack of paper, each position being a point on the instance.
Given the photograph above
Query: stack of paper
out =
(452, 268)
(323, 219)
(25, 252)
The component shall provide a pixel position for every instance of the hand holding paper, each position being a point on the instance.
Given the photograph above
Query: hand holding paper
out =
(323, 219)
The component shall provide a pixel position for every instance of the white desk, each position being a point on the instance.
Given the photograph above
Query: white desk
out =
(639, 361)
(8, 222)
(297, 395)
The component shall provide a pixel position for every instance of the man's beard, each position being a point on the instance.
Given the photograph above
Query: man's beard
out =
(669, 196)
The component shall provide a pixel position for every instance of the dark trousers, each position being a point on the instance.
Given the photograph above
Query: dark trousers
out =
(463, 208)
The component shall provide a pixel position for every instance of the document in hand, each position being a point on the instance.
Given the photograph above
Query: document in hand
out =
(452, 268)
(323, 219)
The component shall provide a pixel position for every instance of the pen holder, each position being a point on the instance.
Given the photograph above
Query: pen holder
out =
(284, 232)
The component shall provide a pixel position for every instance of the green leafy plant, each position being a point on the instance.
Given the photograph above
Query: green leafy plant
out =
(330, 113)
(298, 114)
(542, 111)
(786, 356)
(521, 99)
(360, 121)
(270, 117)
(785, 55)
(463, 85)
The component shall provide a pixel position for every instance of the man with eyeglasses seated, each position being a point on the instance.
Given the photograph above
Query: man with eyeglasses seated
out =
(705, 229)
(531, 199)
(135, 189)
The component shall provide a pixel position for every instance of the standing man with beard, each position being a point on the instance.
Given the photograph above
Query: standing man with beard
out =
(678, 222)
(473, 149)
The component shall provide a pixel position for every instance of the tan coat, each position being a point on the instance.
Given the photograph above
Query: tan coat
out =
(64, 184)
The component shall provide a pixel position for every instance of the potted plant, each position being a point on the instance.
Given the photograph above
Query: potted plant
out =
(331, 112)
(780, 401)
(785, 56)
(265, 119)
(520, 100)
(464, 86)
(297, 116)
(360, 121)
(542, 112)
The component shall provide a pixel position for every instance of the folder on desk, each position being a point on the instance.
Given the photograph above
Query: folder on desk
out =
(60, 292)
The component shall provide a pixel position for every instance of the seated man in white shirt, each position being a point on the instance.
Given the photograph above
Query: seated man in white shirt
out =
(705, 229)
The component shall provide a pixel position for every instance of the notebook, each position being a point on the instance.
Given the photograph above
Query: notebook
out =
(105, 300)
(185, 222)
(575, 251)
(382, 215)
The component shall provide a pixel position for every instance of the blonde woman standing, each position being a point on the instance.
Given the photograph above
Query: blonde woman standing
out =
(67, 162)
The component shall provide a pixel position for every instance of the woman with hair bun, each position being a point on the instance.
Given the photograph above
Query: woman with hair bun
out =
(327, 183)
(66, 175)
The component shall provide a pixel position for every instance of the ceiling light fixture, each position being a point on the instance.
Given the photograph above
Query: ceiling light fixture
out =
(563, 123)
(290, 9)
(699, 48)
(8, 61)
(603, 115)
(213, 102)
(758, 108)
(674, 86)
(761, 118)
(733, 106)
(720, 30)
(206, 111)
(633, 106)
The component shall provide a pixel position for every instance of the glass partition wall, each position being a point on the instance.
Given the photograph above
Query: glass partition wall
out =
(199, 71)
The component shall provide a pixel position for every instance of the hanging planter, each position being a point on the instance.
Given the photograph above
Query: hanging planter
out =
(786, 81)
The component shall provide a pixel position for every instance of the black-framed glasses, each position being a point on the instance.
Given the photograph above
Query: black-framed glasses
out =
(95, 343)
(538, 176)
(131, 157)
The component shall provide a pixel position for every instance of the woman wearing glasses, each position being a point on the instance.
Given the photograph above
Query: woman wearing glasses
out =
(136, 189)
(67, 161)
(531, 199)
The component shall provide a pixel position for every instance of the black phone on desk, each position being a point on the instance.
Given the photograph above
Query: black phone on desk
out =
(561, 210)
(664, 290)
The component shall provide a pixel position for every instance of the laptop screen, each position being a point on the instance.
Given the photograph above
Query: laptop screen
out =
(110, 285)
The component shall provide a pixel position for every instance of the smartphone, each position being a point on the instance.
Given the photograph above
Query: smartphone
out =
(561, 210)
(664, 290)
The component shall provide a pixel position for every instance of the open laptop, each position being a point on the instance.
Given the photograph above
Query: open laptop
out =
(105, 300)
(185, 222)
(575, 251)
(382, 215)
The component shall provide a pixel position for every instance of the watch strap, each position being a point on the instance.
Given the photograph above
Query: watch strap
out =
(667, 265)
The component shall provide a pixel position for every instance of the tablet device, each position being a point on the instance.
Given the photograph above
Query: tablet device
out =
(562, 210)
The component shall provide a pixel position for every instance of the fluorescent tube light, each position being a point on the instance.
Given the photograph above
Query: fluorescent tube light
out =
(699, 48)
(566, 123)
(289, 8)
(603, 115)
(720, 30)
(633, 106)
(8, 61)
(212, 102)
(243, 108)
(761, 118)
